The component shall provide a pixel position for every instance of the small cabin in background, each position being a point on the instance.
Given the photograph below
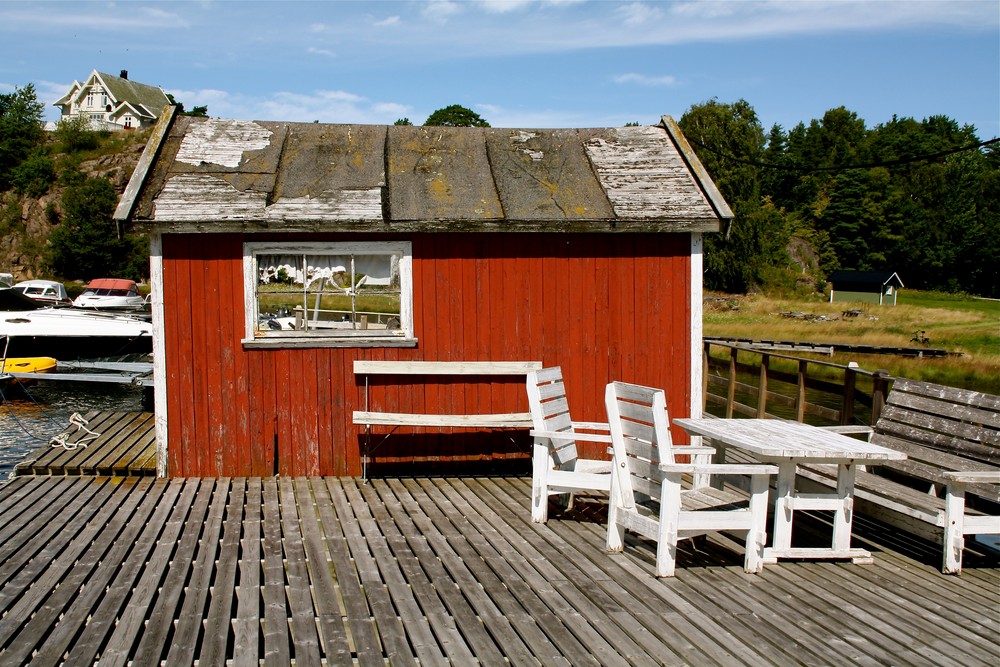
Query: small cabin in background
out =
(879, 287)
(283, 252)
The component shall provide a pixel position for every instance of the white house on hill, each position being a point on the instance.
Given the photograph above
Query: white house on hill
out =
(113, 102)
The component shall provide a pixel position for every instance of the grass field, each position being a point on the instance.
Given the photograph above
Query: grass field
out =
(965, 326)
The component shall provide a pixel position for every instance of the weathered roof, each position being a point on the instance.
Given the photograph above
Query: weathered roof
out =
(201, 174)
(879, 278)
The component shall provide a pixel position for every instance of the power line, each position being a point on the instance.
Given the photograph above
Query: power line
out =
(872, 165)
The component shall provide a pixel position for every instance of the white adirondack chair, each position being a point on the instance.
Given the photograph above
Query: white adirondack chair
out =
(646, 475)
(556, 468)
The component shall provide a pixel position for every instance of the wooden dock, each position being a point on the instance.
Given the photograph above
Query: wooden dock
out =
(313, 571)
(104, 443)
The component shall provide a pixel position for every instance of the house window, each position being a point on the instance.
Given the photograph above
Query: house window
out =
(328, 294)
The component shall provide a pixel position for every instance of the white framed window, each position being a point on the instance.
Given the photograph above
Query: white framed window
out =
(337, 294)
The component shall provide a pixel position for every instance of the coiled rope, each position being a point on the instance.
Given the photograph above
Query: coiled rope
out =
(62, 440)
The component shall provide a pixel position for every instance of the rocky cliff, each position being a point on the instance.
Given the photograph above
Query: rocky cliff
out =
(25, 222)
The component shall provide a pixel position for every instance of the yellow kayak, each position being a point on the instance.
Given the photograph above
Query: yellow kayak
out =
(27, 364)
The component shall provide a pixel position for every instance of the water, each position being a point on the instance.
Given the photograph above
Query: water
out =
(30, 417)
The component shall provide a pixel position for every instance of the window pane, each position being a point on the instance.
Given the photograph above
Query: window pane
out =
(329, 294)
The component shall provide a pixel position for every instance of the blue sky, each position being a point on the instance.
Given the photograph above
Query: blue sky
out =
(523, 63)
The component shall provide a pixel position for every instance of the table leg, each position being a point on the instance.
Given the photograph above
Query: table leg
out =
(784, 506)
(843, 515)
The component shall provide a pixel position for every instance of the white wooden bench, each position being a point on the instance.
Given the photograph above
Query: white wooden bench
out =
(949, 485)
(473, 371)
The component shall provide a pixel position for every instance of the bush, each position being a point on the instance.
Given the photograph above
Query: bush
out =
(75, 135)
(34, 176)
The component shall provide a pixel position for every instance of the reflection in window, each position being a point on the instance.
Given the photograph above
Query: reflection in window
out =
(346, 290)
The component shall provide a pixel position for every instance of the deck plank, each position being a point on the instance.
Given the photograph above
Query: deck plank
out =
(367, 646)
(314, 571)
(124, 446)
(246, 626)
(218, 628)
(329, 614)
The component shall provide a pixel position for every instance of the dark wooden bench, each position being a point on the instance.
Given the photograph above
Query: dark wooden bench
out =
(949, 484)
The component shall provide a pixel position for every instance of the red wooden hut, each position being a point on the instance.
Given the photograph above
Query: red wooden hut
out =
(283, 252)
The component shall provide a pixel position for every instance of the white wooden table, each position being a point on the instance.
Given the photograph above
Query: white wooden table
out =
(787, 443)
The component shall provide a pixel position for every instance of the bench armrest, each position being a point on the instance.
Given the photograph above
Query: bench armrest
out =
(563, 435)
(973, 476)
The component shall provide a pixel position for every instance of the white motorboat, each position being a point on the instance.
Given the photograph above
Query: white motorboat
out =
(49, 292)
(110, 294)
(32, 329)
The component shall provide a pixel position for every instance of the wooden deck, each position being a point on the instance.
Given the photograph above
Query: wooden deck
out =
(439, 571)
(125, 445)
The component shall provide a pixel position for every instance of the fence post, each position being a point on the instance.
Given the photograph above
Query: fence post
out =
(847, 407)
(880, 387)
(765, 363)
(704, 375)
(800, 396)
(731, 390)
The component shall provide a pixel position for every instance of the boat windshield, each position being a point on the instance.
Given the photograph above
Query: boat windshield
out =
(109, 292)
(11, 300)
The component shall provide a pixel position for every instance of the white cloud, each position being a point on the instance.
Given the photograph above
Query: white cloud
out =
(639, 13)
(440, 10)
(645, 80)
(503, 6)
(321, 52)
(388, 21)
(326, 106)
(138, 18)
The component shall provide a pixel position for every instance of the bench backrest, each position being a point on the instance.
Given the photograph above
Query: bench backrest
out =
(941, 429)
(640, 437)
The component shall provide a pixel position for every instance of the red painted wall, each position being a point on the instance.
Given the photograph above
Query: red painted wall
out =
(603, 306)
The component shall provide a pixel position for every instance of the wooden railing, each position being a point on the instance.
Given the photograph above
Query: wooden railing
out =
(742, 380)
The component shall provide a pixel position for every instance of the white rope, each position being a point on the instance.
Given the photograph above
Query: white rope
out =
(81, 425)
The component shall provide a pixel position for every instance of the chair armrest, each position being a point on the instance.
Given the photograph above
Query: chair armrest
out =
(592, 426)
(692, 450)
(973, 476)
(720, 468)
(563, 435)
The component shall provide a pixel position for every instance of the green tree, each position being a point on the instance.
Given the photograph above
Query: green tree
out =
(87, 243)
(200, 112)
(456, 116)
(729, 141)
(403, 121)
(20, 129)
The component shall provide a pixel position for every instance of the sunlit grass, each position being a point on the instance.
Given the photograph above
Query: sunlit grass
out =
(966, 327)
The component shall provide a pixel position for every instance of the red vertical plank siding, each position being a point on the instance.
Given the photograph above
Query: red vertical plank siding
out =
(602, 306)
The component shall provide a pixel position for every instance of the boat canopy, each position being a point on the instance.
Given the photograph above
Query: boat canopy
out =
(112, 284)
